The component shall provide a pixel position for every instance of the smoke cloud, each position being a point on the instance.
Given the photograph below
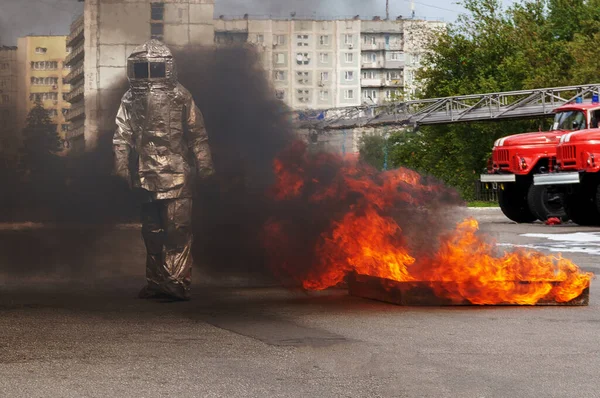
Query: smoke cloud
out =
(248, 130)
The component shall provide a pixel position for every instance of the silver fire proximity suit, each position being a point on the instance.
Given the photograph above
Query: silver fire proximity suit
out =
(160, 146)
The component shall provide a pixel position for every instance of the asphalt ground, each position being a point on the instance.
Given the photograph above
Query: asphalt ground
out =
(76, 329)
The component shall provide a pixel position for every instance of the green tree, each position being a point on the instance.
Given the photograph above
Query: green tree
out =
(41, 141)
(372, 150)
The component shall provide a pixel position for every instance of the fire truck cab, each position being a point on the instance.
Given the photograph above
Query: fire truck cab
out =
(576, 175)
(517, 158)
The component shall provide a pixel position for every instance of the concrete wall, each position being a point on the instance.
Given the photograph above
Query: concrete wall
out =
(113, 28)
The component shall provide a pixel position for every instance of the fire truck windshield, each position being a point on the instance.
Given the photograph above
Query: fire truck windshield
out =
(569, 120)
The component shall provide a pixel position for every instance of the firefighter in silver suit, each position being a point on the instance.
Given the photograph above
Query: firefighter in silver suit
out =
(160, 147)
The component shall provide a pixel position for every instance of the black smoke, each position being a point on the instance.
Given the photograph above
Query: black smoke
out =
(248, 129)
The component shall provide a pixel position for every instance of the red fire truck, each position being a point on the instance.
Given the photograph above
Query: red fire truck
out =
(576, 173)
(517, 158)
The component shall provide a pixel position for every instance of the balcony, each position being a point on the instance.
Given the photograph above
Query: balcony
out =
(74, 132)
(394, 64)
(393, 83)
(382, 46)
(75, 75)
(372, 65)
(371, 82)
(75, 56)
(76, 34)
(75, 94)
(76, 112)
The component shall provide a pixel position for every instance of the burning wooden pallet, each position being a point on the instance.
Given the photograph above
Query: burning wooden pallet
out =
(428, 293)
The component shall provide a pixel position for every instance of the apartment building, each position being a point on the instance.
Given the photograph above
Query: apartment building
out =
(313, 64)
(318, 64)
(41, 76)
(103, 38)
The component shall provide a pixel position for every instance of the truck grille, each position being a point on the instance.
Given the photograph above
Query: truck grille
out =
(567, 153)
(501, 155)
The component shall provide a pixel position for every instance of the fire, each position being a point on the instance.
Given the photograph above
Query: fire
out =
(340, 216)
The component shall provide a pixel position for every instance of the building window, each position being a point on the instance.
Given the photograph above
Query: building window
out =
(303, 96)
(279, 75)
(349, 94)
(324, 76)
(44, 96)
(370, 94)
(302, 78)
(280, 40)
(348, 39)
(324, 58)
(65, 111)
(157, 11)
(369, 39)
(368, 74)
(395, 75)
(3, 83)
(324, 40)
(369, 57)
(41, 50)
(44, 65)
(389, 94)
(4, 66)
(302, 58)
(52, 112)
(157, 31)
(280, 59)
(324, 95)
(302, 40)
(349, 57)
(349, 75)
(260, 39)
(279, 94)
(5, 98)
(65, 127)
(44, 81)
(395, 56)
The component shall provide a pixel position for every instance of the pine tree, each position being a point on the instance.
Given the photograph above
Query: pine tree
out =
(41, 141)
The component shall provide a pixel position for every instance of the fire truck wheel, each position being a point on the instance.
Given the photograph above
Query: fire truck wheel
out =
(581, 206)
(545, 202)
(513, 203)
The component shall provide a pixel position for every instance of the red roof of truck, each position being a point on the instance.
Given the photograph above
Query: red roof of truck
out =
(577, 107)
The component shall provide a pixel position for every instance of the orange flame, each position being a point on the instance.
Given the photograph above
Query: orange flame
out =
(364, 235)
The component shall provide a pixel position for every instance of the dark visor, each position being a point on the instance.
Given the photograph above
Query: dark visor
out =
(140, 70)
(157, 70)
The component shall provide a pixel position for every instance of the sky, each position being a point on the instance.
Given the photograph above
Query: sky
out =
(41, 17)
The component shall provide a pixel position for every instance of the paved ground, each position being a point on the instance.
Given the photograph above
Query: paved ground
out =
(86, 336)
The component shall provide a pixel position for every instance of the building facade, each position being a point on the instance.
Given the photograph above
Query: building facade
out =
(41, 76)
(327, 64)
(103, 38)
(8, 98)
(312, 64)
